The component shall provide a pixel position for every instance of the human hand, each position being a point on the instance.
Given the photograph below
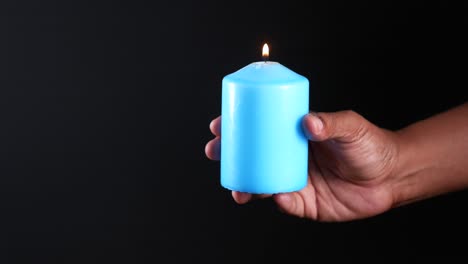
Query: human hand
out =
(351, 165)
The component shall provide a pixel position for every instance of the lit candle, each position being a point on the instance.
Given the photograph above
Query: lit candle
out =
(263, 148)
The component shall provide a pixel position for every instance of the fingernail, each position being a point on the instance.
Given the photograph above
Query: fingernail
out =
(317, 124)
(305, 130)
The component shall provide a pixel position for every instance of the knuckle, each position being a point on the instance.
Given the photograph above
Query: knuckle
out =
(352, 114)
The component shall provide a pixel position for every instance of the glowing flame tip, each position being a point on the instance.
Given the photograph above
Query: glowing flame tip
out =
(265, 52)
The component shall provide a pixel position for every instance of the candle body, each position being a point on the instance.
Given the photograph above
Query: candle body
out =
(263, 147)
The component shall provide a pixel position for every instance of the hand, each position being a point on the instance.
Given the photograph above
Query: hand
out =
(351, 162)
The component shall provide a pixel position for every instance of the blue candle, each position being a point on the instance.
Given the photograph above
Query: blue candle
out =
(263, 148)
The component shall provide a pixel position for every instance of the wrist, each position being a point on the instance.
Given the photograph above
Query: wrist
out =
(431, 157)
(405, 179)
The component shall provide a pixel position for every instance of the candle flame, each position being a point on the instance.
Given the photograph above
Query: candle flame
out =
(265, 52)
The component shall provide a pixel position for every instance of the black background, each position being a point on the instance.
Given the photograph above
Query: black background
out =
(104, 113)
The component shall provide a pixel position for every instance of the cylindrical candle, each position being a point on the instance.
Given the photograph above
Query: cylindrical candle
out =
(263, 147)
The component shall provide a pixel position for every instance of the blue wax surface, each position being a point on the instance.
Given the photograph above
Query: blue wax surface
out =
(263, 147)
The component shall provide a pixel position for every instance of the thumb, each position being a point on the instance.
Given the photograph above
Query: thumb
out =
(343, 125)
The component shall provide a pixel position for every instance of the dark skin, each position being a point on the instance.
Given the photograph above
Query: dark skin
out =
(358, 170)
